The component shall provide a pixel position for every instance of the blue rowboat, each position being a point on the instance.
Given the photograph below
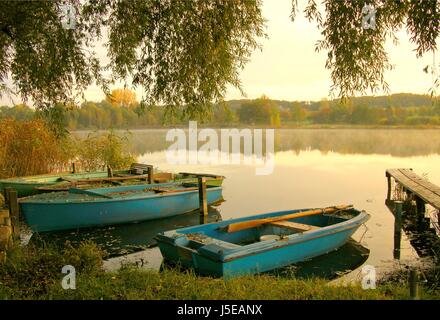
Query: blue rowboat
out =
(215, 250)
(107, 206)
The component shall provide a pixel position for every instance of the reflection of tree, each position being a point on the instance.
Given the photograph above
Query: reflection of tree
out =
(403, 143)
(394, 142)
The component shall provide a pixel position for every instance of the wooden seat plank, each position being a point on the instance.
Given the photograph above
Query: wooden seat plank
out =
(294, 225)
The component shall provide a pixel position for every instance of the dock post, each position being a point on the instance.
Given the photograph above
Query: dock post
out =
(420, 211)
(397, 228)
(150, 175)
(109, 171)
(413, 285)
(5, 233)
(73, 167)
(203, 203)
(14, 212)
(6, 195)
(389, 186)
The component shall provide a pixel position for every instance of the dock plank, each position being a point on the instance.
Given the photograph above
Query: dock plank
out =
(426, 190)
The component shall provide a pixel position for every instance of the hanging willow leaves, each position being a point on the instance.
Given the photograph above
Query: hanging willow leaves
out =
(185, 53)
(356, 56)
(182, 53)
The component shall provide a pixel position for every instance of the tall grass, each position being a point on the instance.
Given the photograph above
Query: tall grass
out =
(98, 150)
(29, 147)
(35, 273)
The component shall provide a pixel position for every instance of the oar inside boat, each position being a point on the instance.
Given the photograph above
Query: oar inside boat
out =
(237, 226)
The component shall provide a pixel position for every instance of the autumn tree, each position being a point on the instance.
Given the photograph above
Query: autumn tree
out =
(122, 98)
(260, 111)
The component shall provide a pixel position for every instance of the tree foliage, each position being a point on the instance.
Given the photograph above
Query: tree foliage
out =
(122, 98)
(396, 109)
(182, 53)
(260, 111)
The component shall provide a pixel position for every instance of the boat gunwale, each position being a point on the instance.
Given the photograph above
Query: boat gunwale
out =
(29, 180)
(97, 199)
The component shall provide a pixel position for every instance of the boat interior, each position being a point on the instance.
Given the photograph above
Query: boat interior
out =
(265, 232)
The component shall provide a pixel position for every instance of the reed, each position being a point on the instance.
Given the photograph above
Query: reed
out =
(99, 150)
(28, 148)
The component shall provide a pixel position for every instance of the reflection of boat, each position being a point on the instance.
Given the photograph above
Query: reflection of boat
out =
(106, 206)
(125, 238)
(348, 257)
(260, 243)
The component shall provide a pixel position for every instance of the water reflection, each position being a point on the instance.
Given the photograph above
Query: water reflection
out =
(127, 238)
(394, 142)
(331, 265)
(327, 266)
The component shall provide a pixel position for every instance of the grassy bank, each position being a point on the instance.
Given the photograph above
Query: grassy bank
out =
(35, 273)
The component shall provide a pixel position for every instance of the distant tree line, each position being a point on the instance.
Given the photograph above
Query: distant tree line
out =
(120, 110)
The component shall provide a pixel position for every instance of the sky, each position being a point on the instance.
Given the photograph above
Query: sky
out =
(288, 68)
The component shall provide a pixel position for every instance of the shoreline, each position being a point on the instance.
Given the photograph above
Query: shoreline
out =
(287, 127)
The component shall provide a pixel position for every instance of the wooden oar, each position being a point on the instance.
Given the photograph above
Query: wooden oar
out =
(105, 179)
(209, 175)
(237, 226)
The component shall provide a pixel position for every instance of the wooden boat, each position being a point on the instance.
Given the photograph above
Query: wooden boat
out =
(260, 243)
(78, 208)
(31, 185)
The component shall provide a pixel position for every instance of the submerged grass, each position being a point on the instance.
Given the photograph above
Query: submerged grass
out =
(35, 273)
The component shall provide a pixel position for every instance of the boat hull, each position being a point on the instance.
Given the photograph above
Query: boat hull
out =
(43, 217)
(224, 258)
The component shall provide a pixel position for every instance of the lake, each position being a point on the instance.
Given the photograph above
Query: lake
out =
(312, 168)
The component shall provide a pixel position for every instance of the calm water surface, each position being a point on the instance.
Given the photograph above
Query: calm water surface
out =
(313, 168)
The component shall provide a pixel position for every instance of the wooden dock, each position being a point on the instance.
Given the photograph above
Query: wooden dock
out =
(408, 195)
(420, 188)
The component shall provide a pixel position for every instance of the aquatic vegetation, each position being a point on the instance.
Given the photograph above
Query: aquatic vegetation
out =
(98, 150)
(31, 147)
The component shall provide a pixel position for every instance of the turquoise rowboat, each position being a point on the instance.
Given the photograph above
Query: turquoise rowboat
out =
(107, 206)
(30, 185)
(260, 243)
